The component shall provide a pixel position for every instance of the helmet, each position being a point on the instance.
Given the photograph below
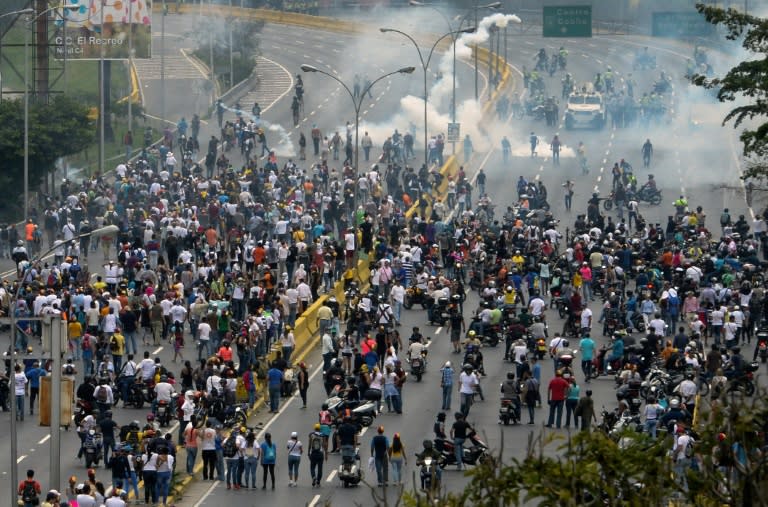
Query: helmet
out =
(689, 376)
(108, 413)
(565, 343)
(510, 375)
(467, 366)
(471, 333)
(134, 424)
(317, 426)
(674, 403)
(441, 416)
(427, 444)
(163, 378)
(150, 417)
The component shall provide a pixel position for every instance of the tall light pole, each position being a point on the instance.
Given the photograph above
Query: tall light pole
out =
(357, 102)
(130, 69)
(162, 63)
(26, 127)
(425, 66)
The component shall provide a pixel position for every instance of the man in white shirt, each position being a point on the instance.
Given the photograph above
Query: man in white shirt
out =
(397, 297)
(305, 295)
(467, 384)
(203, 339)
(658, 325)
(163, 392)
(147, 367)
(586, 319)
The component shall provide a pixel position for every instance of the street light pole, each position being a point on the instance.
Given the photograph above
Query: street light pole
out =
(357, 102)
(102, 98)
(162, 63)
(130, 68)
(425, 66)
(26, 128)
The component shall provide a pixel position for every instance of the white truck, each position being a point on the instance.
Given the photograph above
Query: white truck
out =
(585, 109)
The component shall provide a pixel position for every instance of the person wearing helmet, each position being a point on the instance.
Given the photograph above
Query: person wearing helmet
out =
(163, 392)
(429, 451)
(318, 453)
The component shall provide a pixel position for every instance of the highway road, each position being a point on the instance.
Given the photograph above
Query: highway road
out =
(683, 164)
(678, 161)
(325, 104)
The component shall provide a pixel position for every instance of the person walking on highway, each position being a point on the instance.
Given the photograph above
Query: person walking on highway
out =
(556, 392)
(274, 383)
(468, 148)
(555, 145)
(268, 459)
(380, 454)
(506, 149)
(295, 450)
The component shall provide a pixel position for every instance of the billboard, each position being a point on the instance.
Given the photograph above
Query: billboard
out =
(92, 29)
(567, 21)
(680, 24)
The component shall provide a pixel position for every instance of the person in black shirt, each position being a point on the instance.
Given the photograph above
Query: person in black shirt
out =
(459, 432)
(346, 437)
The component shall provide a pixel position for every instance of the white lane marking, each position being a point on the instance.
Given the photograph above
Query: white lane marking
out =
(437, 331)
(157, 351)
(207, 494)
(331, 476)
(43, 440)
(362, 432)
(314, 501)
(20, 458)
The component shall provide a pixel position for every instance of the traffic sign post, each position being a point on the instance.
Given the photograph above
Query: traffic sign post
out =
(454, 132)
(680, 24)
(568, 21)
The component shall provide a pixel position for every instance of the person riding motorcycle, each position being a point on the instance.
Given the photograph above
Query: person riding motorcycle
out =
(429, 452)
(650, 184)
(735, 367)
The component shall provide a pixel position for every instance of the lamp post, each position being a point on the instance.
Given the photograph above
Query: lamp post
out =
(357, 102)
(56, 352)
(493, 6)
(424, 66)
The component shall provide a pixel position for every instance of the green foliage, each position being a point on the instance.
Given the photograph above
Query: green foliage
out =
(583, 469)
(56, 129)
(245, 45)
(747, 81)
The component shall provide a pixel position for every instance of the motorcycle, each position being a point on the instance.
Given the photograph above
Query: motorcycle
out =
(93, 448)
(415, 295)
(419, 365)
(649, 195)
(509, 411)
(439, 312)
(598, 362)
(136, 395)
(350, 472)
(165, 411)
(744, 383)
(428, 474)
(474, 454)
(762, 350)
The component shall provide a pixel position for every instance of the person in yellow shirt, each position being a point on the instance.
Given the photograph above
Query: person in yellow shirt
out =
(74, 335)
(117, 348)
(577, 281)
(518, 260)
(99, 285)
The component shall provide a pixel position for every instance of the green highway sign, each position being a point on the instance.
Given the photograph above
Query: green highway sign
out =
(568, 21)
(680, 24)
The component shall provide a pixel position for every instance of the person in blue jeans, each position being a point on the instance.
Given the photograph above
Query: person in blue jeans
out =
(379, 448)
(164, 470)
(274, 383)
(459, 432)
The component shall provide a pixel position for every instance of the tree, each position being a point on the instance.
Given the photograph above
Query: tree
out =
(594, 468)
(56, 129)
(245, 45)
(745, 81)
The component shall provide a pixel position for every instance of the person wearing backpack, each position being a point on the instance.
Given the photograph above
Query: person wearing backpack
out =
(30, 490)
(317, 455)
(232, 454)
(682, 455)
(268, 459)
(103, 396)
(725, 219)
